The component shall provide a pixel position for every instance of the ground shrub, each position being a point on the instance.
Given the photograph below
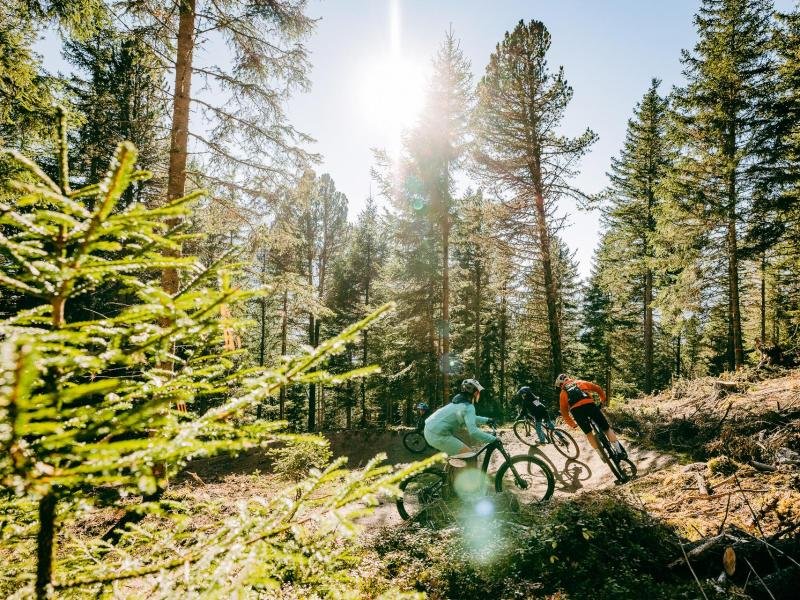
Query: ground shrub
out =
(294, 460)
(594, 546)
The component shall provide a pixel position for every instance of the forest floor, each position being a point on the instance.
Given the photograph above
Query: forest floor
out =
(718, 472)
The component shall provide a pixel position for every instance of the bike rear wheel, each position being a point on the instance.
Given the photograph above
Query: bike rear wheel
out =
(535, 483)
(564, 443)
(415, 442)
(525, 432)
(420, 492)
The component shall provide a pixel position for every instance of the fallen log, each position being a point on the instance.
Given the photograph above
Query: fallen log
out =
(728, 386)
(707, 557)
(763, 467)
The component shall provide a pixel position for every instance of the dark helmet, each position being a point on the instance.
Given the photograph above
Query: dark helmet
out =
(470, 386)
(423, 407)
(525, 392)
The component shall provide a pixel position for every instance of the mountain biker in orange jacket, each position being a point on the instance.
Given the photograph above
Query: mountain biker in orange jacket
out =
(580, 405)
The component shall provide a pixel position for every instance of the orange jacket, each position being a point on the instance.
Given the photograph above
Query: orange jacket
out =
(586, 386)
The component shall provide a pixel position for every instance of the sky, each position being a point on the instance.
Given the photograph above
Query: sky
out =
(370, 60)
(610, 51)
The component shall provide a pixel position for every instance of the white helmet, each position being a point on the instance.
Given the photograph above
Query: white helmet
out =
(470, 386)
(560, 380)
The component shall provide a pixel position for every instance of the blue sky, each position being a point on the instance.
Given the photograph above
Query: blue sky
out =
(610, 50)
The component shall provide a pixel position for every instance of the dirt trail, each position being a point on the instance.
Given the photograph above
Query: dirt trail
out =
(586, 472)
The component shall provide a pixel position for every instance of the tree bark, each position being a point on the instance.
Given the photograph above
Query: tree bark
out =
(179, 135)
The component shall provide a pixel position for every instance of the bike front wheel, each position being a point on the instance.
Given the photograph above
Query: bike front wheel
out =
(525, 432)
(415, 442)
(626, 469)
(420, 492)
(564, 443)
(527, 478)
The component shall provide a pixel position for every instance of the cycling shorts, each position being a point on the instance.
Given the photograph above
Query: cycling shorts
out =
(448, 444)
(584, 412)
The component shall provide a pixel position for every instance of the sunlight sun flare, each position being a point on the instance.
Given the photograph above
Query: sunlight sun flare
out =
(392, 94)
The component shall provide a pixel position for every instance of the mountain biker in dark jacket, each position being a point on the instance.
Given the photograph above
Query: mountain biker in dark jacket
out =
(576, 401)
(532, 406)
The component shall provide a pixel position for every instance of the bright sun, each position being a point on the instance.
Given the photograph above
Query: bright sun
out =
(392, 93)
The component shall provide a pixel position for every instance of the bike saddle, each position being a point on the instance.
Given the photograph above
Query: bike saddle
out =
(467, 456)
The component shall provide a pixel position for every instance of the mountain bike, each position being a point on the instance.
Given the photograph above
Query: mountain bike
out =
(622, 467)
(563, 442)
(527, 478)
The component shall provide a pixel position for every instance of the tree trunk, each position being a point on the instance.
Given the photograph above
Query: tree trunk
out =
(764, 298)
(312, 328)
(284, 334)
(478, 293)
(551, 288)
(732, 250)
(678, 355)
(365, 347)
(179, 135)
(44, 544)
(445, 362)
(262, 346)
(503, 319)
(648, 331)
(733, 282)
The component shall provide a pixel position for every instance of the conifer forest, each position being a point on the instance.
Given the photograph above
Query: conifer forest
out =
(241, 273)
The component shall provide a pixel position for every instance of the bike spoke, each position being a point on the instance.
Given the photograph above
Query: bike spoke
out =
(526, 478)
(420, 492)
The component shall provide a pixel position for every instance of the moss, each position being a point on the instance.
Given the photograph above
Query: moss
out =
(722, 465)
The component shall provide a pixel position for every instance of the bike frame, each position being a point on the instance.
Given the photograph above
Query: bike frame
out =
(489, 450)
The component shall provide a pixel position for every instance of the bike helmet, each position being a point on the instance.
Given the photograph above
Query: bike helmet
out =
(470, 386)
(525, 392)
(423, 407)
(560, 380)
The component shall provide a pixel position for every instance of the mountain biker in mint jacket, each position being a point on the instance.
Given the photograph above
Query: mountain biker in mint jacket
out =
(441, 427)
(576, 401)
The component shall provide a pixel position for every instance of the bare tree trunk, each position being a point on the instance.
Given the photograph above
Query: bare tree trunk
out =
(179, 135)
